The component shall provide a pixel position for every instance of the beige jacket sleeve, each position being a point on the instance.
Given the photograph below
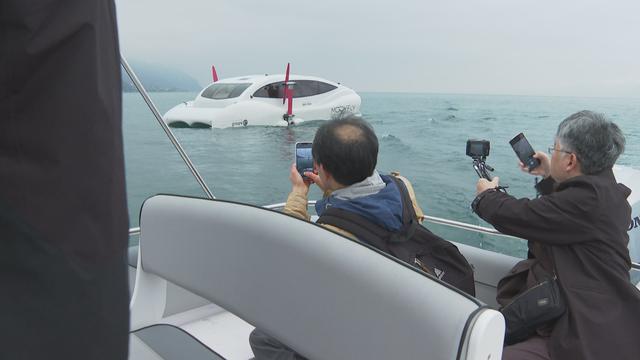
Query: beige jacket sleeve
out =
(297, 206)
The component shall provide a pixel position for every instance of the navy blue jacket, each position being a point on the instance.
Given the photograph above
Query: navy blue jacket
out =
(383, 208)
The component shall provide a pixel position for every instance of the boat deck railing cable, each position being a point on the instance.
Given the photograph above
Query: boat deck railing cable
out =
(449, 223)
(170, 135)
(432, 219)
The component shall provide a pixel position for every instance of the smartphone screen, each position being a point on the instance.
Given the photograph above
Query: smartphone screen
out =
(525, 152)
(304, 159)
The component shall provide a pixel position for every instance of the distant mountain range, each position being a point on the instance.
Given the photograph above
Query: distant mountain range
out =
(159, 78)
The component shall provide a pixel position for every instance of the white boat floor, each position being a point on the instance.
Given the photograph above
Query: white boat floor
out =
(220, 330)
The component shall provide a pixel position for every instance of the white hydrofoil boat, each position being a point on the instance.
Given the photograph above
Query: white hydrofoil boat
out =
(265, 100)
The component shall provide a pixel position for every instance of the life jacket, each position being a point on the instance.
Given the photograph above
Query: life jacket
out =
(413, 244)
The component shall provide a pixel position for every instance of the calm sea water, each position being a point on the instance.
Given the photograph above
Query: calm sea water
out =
(421, 135)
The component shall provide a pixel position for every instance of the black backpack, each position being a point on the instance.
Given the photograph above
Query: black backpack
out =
(413, 244)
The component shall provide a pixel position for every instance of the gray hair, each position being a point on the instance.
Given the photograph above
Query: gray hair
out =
(596, 141)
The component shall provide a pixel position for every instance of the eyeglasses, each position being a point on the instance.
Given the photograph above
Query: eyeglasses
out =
(553, 148)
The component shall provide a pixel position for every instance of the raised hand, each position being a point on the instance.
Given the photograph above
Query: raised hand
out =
(315, 178)
(484, 184)
(543, 169)
(297, 182)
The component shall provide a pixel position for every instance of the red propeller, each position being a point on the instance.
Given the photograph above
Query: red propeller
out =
(287, 95)
(286, 80)
(214, 73)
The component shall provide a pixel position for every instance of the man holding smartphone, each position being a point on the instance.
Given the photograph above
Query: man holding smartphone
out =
(345, 154)
(577, 230)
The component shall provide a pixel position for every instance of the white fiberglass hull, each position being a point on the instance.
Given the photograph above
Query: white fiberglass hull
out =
(258, 113)
(257, 100)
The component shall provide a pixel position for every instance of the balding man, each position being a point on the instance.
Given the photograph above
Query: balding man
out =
(345, 154)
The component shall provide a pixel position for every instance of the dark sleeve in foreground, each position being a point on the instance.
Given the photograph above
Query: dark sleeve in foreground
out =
(63, 213)
(555, 219)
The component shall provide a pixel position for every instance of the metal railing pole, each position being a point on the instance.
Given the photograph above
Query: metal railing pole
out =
(134, 231)
(166, 129)
(432, 219)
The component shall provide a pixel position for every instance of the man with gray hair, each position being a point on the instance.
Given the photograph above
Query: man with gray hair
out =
(576, 230)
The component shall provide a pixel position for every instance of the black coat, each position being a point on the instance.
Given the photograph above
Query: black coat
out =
(63, 213)
(584, 221)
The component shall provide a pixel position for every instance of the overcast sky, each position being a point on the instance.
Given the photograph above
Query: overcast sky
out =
(521, 47)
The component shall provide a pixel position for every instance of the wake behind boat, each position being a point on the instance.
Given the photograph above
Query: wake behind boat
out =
(265, 100)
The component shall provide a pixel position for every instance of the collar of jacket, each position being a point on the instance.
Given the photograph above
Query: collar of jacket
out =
(383, 207)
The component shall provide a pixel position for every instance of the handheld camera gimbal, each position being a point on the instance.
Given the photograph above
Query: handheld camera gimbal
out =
(478, 150)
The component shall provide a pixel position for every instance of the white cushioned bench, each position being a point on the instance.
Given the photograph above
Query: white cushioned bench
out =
(326, 296)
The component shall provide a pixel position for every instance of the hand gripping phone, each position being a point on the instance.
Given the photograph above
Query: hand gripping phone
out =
(304, 159)
(525, 152)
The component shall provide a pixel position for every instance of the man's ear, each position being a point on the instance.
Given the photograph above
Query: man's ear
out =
(572, 165)
(325, 172)
(329, 180)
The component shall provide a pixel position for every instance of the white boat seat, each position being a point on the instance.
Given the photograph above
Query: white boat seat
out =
(167, 342)
(324, 295)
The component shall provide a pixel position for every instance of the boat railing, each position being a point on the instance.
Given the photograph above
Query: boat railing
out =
(436, 220)
(167, 131)
(432, 219)
(449, 223)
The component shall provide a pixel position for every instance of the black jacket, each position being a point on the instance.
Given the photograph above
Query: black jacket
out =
(584, 221)
(63, 211)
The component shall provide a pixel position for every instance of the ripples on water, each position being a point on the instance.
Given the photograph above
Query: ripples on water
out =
(421, 135)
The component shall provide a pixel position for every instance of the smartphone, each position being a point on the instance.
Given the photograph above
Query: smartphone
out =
(304, 159)
(525, 152)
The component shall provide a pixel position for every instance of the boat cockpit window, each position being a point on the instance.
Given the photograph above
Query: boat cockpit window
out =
(305, 88)
(275, 90)
(224, 90)
(302, 88)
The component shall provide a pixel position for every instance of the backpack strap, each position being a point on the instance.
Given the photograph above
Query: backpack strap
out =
(412, 195)
(409, 219)
(407, 204)
(363, 229)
